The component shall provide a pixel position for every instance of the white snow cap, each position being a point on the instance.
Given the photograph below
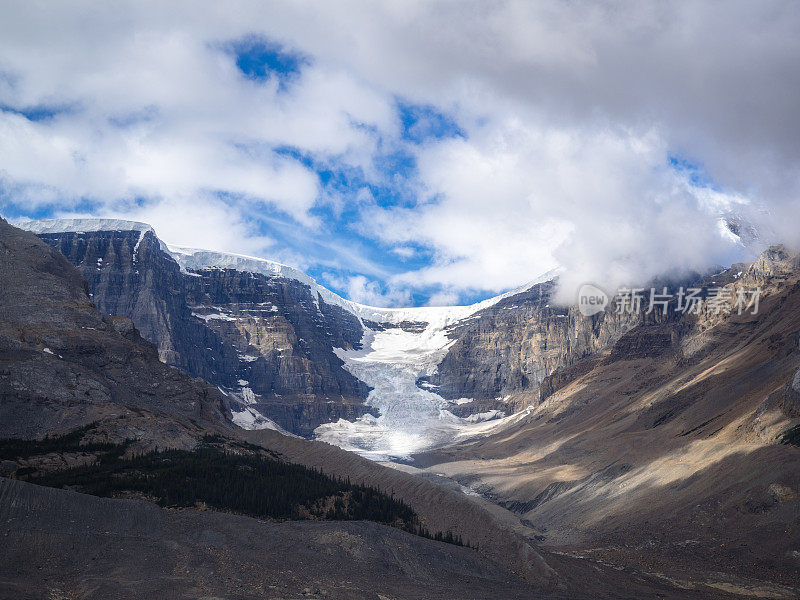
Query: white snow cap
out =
(197, 260)
(193, 259)
(81, 225)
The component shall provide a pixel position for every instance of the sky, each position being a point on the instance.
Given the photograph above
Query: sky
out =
(411, 153)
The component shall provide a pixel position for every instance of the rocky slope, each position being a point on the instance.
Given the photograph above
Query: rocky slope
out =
(663, 452)
(71, 545)
(63, 364)
(264, 340)
(137, 550)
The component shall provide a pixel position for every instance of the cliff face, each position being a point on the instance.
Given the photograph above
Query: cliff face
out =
(512, 346)
(265, 340)
(63, 364)
(129, 275)
(284, 339)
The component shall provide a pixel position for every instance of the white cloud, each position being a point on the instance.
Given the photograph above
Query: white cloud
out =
(370, 292)
(516, 199)
(570, 110)
(444, 298)
(159, 110)
(404, 251)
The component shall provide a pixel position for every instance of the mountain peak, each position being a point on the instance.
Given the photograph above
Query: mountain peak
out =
(46, 226)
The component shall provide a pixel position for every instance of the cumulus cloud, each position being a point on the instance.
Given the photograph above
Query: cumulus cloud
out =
(564, 121)
(513, 201)
(157, 109)
(370, 292)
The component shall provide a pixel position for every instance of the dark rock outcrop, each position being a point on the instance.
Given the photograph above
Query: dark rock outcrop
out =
(265, 340)
(63, 364)
(130, 275)
(277, 320)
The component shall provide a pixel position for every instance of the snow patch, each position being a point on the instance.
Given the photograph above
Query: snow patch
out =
(248, 396)
(485, 416)
(251, 419)
(138, 243)
(214, 317)
(46, 226)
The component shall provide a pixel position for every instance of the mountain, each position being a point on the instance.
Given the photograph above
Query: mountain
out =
(222, 325)
(64, 367)
(83, 393)
(648, 461)
(669, 452)
(292, 354)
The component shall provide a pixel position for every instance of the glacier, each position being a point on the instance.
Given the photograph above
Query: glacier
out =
(411, 419)
(390, 361)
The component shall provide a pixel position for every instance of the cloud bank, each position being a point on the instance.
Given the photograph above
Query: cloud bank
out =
(411, 152)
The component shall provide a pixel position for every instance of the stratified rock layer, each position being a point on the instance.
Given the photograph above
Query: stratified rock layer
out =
(512, 346)
(265, 340)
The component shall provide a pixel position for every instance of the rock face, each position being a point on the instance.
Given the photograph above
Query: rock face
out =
(512, 346)
(267, 341)
(283, 338)
(130, 275)
(63, 364)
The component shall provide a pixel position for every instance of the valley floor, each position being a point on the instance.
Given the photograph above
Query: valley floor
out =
(69, 545)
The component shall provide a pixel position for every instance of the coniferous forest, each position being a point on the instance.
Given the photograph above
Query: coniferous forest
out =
(238, 479)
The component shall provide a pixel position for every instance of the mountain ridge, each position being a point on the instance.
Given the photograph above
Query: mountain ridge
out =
(280, 350)
(198, 258)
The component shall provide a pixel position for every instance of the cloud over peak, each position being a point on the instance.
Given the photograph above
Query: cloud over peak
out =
(416, 151)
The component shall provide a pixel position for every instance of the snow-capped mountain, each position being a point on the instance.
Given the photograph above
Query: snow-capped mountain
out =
(384, 382)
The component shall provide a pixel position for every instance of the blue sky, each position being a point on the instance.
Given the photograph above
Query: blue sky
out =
(411, 154)
(391, 184)
(335, 232)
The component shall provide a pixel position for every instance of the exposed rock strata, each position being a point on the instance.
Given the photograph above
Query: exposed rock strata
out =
(511, 347)
(266, 341)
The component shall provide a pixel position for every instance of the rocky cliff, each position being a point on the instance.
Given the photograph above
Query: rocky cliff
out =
(508, 349)
(63, 364)
(283, 337)
(266, 341)
(130, 275)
